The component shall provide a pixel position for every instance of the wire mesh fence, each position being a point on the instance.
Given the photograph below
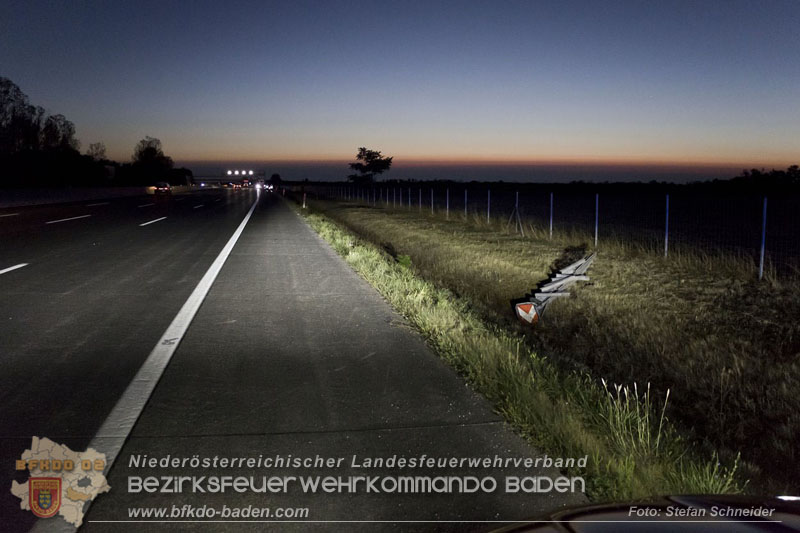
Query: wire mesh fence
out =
(668, 221)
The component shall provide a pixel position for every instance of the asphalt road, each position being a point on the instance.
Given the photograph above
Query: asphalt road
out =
(290, 353)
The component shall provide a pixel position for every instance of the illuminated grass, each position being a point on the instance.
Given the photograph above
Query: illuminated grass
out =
(634, 450)
(698, 324)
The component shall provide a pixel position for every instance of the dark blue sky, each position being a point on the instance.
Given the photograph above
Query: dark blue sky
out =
(596, 82)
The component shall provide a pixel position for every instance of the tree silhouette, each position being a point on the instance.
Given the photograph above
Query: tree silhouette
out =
(370, 163)
(24, 127)
(97, 151)
(37, 148)
(149, 160)
(59, 133)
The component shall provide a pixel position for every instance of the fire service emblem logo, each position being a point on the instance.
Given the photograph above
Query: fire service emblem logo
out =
(45, 496)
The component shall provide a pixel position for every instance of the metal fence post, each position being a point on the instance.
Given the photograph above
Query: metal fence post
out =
(488, 205)
(666, 231)
(465, 203)
(409, 198)
(431, 200)
(763, 240)
(551, 216)
(420, 199)
(447, 203)
(596, 216)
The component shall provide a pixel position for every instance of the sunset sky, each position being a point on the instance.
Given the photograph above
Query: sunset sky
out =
(700, 83)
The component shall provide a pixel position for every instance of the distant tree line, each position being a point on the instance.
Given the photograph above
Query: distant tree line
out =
(790, 176)
(38, 149)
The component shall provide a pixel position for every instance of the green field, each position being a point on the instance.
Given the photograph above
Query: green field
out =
(663, 371)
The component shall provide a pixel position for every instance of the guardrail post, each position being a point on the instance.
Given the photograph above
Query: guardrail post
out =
(551, 216)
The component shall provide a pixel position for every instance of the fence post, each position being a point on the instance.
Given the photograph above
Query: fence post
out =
(763, 240)
(431, 200)
(465, 203)
(666, 231)
(488, 205)
(551, 216)
(409, 198)
(420, 199)
(447, 203)
(596, 216)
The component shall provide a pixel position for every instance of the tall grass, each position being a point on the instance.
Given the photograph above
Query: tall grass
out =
(700, 325)
(634, 450)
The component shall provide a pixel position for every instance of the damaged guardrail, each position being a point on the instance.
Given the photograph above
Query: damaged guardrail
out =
(532, 307)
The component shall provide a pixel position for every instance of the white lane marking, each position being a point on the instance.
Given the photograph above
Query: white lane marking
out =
(218, 200)
(98, 203)
(9, 269)
(180, 199)
(198, 206)
(66, 219)
(152, 221)
(145, 205)
(120, 421)
(9, 215)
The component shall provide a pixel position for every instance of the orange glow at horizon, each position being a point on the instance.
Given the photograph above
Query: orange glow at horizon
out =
(410, 161)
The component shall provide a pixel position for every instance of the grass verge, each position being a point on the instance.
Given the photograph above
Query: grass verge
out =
(698, 324)
(634, 449)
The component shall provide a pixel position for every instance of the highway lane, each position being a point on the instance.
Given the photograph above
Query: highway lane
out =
(78, 320)
(292, 353)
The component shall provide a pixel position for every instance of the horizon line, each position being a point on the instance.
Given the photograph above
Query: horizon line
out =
(478, 162)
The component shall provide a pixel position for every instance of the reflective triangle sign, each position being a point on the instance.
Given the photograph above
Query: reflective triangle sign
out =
(526, 312)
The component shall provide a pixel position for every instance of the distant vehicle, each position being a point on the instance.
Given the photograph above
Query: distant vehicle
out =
(162, 187)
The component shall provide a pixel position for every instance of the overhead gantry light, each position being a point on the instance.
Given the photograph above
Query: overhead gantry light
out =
(251, 172)
(230, 172)
(236, 172)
